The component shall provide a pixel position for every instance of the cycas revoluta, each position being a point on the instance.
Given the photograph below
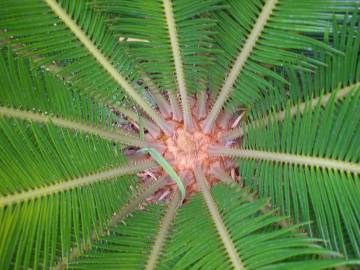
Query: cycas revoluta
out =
(179, 134)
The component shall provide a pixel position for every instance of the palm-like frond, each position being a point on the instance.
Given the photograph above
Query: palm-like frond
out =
(80, 35)
(33, 22)
(340, 71)
(128, 245)
(323, 190)
(69, 195)
(65, 174)
(144, 29)
(35, 95)
(194, 243)
(304, 87)
(271, 34)
(167, 38)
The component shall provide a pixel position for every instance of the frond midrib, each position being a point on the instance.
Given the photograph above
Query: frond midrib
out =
(77, 182)
(163, 231)
(123, 212)
(297, 108)
(219, 223)
(105, 63)
(239, 63)
(171, 25)
(287, 158)
(113, 136)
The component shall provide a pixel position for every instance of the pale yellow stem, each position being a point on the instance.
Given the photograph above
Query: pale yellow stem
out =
(287, 158)
(158, 246)
(217, 219)
(115, 136)
(239, 64)
(76, 183)
(179, 68)
(105, 63)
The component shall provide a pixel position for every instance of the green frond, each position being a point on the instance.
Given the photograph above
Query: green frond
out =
(259, 243)
(297, 108)
(36, 90)
(33, 24)
(297, 159)
(221, 229)
(76, 19)
(303, 87)
(37, 232)
(35, 95)
(270, 34)
(146, 22)
(133, 203)
(163, 233)
(46, 154)
(326, 195)
(128, 245)
(340, 71)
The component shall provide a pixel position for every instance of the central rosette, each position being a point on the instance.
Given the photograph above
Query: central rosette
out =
(185, 149)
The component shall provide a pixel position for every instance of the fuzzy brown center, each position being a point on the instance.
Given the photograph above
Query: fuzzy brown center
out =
(186, 149)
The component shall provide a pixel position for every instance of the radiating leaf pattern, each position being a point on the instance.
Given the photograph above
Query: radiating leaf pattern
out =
(329, 194)
(83, 86)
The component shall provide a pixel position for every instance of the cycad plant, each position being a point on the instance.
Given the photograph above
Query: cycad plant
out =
(179, 134)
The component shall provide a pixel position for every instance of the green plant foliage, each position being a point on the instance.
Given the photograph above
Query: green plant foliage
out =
(327, 197)
(282, 42)
(34, 89)
(34, 230)
(46, 36)
(70, 167)
(128, 245)
(339, 71)
(37, 231)
(145, 21)
(194, 243)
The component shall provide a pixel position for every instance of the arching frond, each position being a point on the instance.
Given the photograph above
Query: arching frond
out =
(33, 230)
(327, 195)
(341, 72)
(163, 233)
(76, 19)
(33, 89)
(322, 163)
(37, 96)
(259, 243)
(304, 87)
(52, 39)
(147, 21)
(272, 33)
(138, 235)
(222, 231)
(297, 108)
(178, 39)
(134, 202)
